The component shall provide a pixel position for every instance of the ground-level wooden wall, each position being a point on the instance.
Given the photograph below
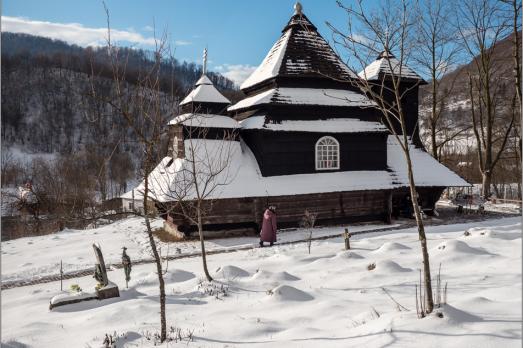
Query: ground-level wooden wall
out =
(244, 215)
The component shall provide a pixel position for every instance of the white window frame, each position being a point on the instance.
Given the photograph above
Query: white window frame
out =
(337, 153)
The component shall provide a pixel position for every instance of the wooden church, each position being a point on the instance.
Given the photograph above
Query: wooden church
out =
(303, 138)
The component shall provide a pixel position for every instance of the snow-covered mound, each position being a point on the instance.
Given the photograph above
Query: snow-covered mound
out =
(457, 316)
(500, 234)
(388, 266)
(288, 293)
(453, 247)
(231, 272)
(178, 276)
(276, 276)
(347, 254)
(391, 246)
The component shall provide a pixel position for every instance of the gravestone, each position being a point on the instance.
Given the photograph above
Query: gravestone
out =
(106, 289)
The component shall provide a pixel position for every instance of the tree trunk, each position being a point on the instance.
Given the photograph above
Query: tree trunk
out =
(202, 244)
(486, 180)
(422, 236)
(434, 145)
(158, 261)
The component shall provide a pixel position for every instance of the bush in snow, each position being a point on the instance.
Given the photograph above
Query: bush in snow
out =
(207, 288)
(175, 334)
(308, 220)
(75, 288)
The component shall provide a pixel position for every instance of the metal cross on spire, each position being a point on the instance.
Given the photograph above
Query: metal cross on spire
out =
(204, 61)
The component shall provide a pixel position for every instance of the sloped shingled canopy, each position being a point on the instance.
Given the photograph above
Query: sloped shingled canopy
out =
(205, 92)
(381, 68)
(300, 52)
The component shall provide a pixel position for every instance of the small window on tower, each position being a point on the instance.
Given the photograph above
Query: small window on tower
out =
(327, 154)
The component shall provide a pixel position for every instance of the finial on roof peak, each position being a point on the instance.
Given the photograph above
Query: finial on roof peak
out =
(298, 8)
(386, 54)
(204, 70)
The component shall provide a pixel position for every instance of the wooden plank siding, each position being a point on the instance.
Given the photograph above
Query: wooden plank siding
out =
(246, 213)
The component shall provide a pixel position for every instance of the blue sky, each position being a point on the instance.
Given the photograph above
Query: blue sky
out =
(237, 33)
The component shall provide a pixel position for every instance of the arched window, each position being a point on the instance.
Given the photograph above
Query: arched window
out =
(327, 154)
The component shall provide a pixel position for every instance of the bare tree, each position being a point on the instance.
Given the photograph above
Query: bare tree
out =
(144, 107)
(437, 53)
(481, 27)
(382, 31)
(514, 13)
(204, 169)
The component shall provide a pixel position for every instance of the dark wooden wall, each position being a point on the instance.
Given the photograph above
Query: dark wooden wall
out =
(205, 108)
(211, 133)
(332, 207)
(286, 153)
(410, 106)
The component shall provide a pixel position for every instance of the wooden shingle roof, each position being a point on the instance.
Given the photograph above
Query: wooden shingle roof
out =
(387, 65)
(300, 52)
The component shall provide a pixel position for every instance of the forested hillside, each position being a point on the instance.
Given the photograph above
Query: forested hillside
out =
(455, 131)
(45, 90)
(48, 108)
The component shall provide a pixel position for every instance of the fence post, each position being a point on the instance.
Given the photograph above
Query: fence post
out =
(61, 276)
(347, 237)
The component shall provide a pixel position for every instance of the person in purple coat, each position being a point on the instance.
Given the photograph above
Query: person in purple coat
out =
(268, 231)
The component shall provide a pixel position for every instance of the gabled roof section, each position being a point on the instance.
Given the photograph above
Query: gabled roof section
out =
(381, 67)
(300, 51)
(205, 92)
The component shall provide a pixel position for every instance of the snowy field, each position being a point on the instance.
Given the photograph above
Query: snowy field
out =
(282, 296)
(34, 257)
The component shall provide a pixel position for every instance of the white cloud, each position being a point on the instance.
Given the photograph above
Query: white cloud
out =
(236, 72)
(182, 43)
(75, 33)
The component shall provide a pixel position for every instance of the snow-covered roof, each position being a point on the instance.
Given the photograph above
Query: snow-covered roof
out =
(304, 96)
(427, 170)
(205, 92)
(383, 65)
(270, 66)
(130, 194)
(334, 125)
(204, 80)
(242, 176)
(300, 51)
(205, 121)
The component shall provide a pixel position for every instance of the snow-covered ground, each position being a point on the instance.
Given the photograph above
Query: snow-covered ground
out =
(35, 257)
(282, 296)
